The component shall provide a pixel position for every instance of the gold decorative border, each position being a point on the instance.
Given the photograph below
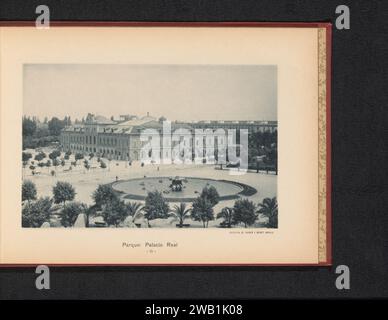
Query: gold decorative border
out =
(322, 152)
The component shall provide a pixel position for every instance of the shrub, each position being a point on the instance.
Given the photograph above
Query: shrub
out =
(156, 206)
(28, 191)
(71, 212)
(114, 212)
(34, 214)
(244, 212)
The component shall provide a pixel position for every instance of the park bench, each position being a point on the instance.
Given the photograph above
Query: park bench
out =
(99, 224)
(184, 225)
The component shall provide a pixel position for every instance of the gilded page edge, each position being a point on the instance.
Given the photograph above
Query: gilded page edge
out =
(322, 146)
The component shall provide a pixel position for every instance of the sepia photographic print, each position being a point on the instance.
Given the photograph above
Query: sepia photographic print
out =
(149, 146)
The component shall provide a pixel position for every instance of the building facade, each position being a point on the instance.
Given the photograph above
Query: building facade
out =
(121, 139)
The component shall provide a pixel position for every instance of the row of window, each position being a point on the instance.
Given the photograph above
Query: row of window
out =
(93, 140)
(82, 148)
(105, 152)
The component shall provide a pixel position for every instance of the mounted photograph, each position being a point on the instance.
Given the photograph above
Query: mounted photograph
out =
(165, 144)
(120, 146)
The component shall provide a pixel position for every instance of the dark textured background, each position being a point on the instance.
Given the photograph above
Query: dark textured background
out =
(359, 143)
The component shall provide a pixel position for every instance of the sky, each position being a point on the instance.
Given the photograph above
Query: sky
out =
(178, 92)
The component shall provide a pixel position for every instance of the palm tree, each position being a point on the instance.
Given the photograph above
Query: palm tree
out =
(180, 212)
(269, 207)
(134, 209)
(227, 214)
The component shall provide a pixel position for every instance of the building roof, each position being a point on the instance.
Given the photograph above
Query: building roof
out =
(136, 125)
(137, 122)
(97, 119)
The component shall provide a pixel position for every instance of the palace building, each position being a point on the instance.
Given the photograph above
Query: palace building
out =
(120, 139)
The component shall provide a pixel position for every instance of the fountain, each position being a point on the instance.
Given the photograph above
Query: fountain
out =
(180, 189)
(176, 184)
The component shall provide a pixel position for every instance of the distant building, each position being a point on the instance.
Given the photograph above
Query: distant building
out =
(120, 139)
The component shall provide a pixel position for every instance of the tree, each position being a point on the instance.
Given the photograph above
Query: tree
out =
(211, 194)
(26, 156)
(28, 126)
(203, 205)
(63, 191)
(40, 156)
(67, 155)
(56, 162)
(54, 154)
(269, 207)
(91, 155)
(78, 156)
(28, 191)
(102, 165)
(180, 212)
(55, 126)
(202, 211)
(86, 164)
(71, 212)
(226, 214)
(67, 121)
(103, 195)
(156, 206)
(244, 212)
(114, 212)
(34, 214)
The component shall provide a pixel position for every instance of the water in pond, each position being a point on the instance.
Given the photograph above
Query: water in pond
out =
(192, 187)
